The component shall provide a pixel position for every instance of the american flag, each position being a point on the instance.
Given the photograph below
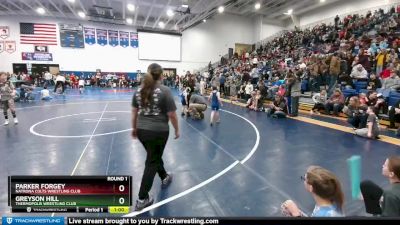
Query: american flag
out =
(38, 33)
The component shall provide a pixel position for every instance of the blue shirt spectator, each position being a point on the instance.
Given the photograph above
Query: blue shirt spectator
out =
(326, 211)
(222, 79)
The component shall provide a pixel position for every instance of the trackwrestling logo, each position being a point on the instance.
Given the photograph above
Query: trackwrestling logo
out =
(33, 220)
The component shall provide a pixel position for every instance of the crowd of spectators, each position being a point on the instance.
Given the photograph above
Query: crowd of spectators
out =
(356, 58)
(26, 83)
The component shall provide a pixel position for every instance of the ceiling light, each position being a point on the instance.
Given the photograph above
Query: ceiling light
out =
(40, 10)
(221, 9)
(289, 12)
(131, 7)
(257, 5)
(170, 13)
(72, 1)
(204, 20)
(161, 24)
(129, 20)
(185, 6)
(321, 1)
(81, 14)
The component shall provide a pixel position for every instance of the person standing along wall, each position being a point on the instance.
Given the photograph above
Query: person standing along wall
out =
(334, 71)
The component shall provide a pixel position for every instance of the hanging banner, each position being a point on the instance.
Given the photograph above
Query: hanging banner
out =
(90, 35)
(124, 39)
(134, 40)
(1, 46)
(113, 37)
(36, 56)
(4, 32)
(101, 37)
(10, 46)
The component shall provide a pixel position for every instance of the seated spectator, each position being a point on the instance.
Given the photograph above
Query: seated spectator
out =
(274, 87)
(26, 92)
(394, 114)
(364, 60)
(377, 100)
(359, 73)
(362, 98)
(320, 101)
(372, 129)
(335, 103)
(282, 90)
(356, 115)
(392, 82)
(261, 87)
(122, 82)
(345, 81)
(45, 94)
(384, 202)
(242, 92)
(374, 83)
(326, 190)
(386, 72)
(255, 103)
(248, 90)
(278, 109)
(22, 94)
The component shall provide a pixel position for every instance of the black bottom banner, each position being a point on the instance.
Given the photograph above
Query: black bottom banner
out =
(226, 221)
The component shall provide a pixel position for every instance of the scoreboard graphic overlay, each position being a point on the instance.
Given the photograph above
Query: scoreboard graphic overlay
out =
(71, 36)
(77, 194)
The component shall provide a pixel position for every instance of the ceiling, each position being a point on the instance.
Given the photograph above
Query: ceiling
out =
(149, 13)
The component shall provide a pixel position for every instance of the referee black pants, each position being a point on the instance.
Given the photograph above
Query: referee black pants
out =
(154, 142)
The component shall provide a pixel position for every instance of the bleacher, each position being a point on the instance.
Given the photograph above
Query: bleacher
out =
(306, 104)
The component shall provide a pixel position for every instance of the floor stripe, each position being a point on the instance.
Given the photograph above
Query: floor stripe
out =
(32, 128)
(257, 135)
(257, 174)
(387, 139)
(188, 191)
(71, 103)
(90, 139)
(213, 142)
(87, 144)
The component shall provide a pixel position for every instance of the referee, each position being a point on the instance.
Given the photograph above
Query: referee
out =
(153, 106)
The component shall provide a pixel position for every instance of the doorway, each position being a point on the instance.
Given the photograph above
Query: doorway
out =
(20, 68)
(41, 68)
